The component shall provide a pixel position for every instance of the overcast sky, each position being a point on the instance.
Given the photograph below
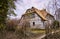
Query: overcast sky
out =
(23, 5)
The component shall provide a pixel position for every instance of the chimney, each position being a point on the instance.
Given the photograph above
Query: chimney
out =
(33, 8)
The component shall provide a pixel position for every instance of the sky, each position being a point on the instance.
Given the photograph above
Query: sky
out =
(23, 5)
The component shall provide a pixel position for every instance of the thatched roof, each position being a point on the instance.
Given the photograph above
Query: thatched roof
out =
(41, 13)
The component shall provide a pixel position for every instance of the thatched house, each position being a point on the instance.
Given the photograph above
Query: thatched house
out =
(36, 18)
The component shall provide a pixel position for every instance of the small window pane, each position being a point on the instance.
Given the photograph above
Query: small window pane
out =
(32, 15)
(33, 23)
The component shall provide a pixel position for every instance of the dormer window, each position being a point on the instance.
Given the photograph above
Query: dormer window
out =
(33, 15)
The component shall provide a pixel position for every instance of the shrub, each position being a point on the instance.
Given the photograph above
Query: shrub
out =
(2, 26)
(55, 24)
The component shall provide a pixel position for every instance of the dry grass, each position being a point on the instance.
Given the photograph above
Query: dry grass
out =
(53, 36)
(38, 31)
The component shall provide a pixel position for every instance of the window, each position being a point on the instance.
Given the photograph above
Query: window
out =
(33, 23)
(33, 15)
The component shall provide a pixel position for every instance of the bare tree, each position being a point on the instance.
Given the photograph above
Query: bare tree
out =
(12, 23)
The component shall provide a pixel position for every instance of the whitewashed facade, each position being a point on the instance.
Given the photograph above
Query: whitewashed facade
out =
(36, 22)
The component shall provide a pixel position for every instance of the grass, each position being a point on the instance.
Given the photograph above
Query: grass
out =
(37, 31)
(53, 36)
